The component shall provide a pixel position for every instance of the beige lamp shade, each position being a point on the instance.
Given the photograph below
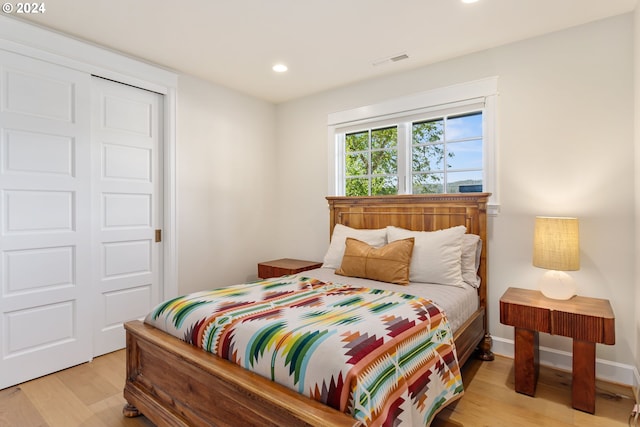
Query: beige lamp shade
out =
(556, 244)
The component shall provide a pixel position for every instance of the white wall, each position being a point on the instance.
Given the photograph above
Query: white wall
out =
(566, 148)
(225, 183)
(636, 76)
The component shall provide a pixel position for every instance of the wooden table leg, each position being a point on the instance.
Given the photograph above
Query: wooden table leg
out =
(526, 364)
(583, 386)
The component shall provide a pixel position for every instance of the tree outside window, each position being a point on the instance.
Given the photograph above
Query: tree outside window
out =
(445, 157)
(447, 154)
(371, 162)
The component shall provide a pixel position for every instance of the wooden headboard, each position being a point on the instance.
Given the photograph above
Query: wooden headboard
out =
(419, 213)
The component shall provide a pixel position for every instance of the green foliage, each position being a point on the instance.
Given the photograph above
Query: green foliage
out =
(427, 155)
(357, 141)
(372, 162)
(357, 187)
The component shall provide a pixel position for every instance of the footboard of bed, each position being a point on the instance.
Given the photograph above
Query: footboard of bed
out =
(175, 384)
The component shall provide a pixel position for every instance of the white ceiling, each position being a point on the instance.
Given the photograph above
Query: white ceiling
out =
(325, 43)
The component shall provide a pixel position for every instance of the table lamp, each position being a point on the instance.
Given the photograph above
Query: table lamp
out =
(556, 248)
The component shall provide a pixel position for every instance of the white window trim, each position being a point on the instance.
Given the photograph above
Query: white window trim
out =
(484, 90)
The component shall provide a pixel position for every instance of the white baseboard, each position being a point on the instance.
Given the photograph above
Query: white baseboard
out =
(605, 369)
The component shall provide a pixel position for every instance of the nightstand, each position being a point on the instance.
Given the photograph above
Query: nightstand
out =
(285, 266)
(587, 320)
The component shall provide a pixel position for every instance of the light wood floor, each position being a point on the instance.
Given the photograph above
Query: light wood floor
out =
(90, 395)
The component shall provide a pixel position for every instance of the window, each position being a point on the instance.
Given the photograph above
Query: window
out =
(440, 141)
(446, 154)
(371, 162)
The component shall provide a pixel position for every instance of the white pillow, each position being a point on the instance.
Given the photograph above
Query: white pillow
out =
(437, 255)
(471, 252)
(373, 237)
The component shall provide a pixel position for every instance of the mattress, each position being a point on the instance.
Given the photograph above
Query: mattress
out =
(458, 303)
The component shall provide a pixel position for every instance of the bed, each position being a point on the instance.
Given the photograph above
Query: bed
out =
(173, 383)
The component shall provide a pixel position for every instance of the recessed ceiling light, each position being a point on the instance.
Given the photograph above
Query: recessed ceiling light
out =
(280, 68)
(469, 1)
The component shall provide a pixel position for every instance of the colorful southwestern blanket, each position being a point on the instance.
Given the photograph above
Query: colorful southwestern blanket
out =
(386, 358)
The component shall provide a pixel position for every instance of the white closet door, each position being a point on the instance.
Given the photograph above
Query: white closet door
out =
(126, 133)
(45, 229)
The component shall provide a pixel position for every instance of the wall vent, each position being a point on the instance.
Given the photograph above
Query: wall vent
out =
(399, 57)
(393, 58)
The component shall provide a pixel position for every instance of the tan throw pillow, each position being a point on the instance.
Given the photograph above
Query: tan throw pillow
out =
(389, 263)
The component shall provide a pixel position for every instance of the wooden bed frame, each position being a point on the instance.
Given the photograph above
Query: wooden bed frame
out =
(175, 384)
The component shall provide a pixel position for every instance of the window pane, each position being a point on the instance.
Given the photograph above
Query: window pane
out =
(464, 182)
(384, 162)
(357, 187)
(357, 164)
(428, 157)
(356, 141)
(465, 155)
(451, 143)
(431, 131)
(428, 183)
(384, 185)
(469, 126)
(384, 138)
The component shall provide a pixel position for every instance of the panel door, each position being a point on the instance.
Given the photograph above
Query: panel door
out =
(45, 226)
(127, 134)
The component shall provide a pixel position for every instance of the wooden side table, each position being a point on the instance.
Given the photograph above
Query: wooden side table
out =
(284, 266)
(587, 320)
